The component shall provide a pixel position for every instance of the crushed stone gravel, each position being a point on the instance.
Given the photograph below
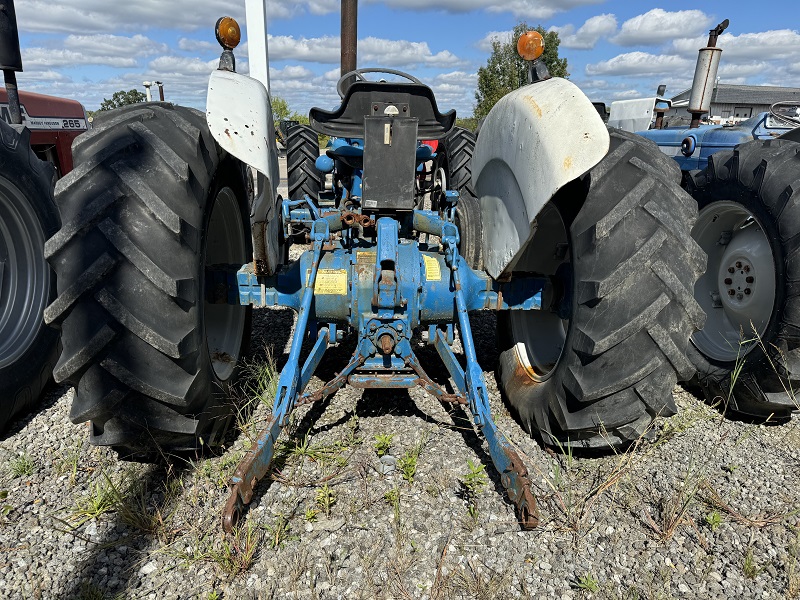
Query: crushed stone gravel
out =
(709, 508)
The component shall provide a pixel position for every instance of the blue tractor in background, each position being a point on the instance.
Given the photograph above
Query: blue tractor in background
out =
(744, 177)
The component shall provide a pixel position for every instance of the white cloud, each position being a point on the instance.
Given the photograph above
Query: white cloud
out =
(104, 44)
(485, 43)
(588, 34)
(190, 45)
(640, 64)
(48, 58)
(658, 26)
(521, 9)
(746, 47)
(98, 49)
(371, 50)
(291, 72)
(137, 15)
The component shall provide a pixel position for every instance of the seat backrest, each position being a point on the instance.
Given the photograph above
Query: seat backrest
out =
(379, 99)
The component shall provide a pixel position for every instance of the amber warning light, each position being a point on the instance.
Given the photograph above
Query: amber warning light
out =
(228, 32)
(530, 45)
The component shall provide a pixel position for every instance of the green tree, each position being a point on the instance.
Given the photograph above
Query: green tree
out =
(280, 109)
(123, 98)
(505, 70)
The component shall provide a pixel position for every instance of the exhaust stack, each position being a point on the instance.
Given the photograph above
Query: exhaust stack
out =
(349, 38)
(705, 74)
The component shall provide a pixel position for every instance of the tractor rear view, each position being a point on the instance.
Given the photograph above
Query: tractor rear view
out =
(578, 238)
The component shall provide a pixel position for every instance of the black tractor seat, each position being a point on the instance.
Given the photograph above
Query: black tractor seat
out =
(380, 99)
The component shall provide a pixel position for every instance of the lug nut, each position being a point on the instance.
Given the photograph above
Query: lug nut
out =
(738, 264)
(728, 281)
(731, 292)
(747, 268)
(739, 296)
(747, 291)
(749, 279)
(731, 269)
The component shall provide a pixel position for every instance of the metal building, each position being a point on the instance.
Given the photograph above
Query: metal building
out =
(738, 102)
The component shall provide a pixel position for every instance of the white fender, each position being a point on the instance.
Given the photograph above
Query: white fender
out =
(534, 141)
(239, 116)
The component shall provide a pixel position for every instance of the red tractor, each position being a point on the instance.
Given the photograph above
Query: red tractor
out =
(36, 133)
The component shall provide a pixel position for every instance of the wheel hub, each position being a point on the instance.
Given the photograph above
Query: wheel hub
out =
(738, 290)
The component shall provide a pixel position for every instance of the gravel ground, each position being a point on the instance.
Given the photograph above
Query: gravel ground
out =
(708, 509)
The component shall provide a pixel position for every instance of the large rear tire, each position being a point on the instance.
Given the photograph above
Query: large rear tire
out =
(749, 225)
(302, 151)
(597, 372)
(28, 216)
(151, 203)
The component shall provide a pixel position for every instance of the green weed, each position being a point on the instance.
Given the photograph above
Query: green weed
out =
(383, 441)
(588, 583)
(280, 531)
(325, 499)
(103, 496)
(750, 568)
(473, 483)
(713, 520)
(407, 464)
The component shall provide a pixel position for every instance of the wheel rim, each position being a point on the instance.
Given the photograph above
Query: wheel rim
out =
(737, 290)
(540, 335)
(224, 323)
(24, 274)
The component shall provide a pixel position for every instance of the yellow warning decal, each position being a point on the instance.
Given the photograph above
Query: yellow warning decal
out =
(433, 272)
(365, 258)
(330, 281)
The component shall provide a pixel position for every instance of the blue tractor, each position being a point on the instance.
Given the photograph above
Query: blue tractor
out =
(744, 178)
(576, 237)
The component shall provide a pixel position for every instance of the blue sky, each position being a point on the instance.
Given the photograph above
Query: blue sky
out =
(88, 49)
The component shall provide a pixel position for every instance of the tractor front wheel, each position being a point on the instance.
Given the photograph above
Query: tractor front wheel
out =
(151, 204)
(596, 369)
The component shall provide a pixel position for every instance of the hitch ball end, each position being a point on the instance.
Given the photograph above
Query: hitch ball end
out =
(228, 32)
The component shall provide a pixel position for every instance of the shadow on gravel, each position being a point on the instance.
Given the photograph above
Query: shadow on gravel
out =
(125, 536)
(52, 392)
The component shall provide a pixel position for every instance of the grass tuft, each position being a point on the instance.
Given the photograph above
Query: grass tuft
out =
(23, 466)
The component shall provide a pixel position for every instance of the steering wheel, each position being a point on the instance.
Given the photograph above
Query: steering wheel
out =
(359, 75)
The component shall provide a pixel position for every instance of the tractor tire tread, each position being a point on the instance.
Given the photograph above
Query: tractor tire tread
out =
(765, 176)
(135, 359)
(617, 372)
